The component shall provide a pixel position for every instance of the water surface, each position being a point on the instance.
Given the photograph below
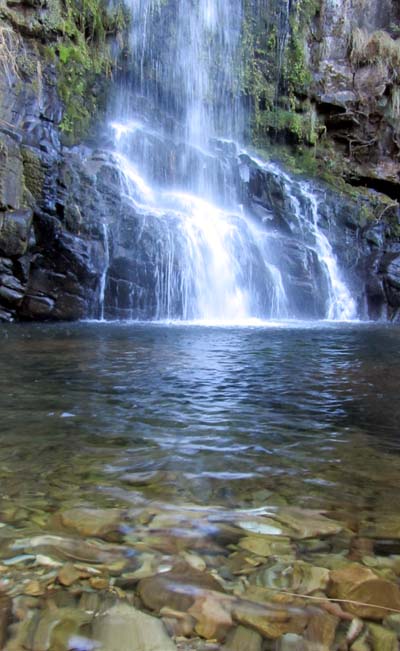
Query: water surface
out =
(288, 408)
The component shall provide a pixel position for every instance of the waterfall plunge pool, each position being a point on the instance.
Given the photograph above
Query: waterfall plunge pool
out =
(258, 459)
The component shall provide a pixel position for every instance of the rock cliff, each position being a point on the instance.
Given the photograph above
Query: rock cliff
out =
(63, 217)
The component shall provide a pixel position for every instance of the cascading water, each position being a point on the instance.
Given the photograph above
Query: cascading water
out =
(103, 278)
(204, 254)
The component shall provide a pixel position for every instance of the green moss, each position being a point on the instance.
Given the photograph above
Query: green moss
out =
(83, 58)
(274, 78)
(33, 172)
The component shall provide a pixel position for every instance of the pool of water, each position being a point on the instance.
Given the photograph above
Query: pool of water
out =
(200, 427)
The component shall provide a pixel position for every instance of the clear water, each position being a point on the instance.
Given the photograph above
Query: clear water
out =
(307, 410)
(201, 435)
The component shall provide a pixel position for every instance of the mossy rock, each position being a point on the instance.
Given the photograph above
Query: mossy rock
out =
(34, 175)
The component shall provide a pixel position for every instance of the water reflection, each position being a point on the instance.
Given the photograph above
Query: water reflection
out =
(287, 402)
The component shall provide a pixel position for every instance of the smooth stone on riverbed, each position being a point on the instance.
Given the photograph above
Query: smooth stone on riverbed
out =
(267, 545)
(92, 522)
(212, 615)
(382, 639)
(270, 621)
(306, 523)
(123, 628)
(298, 576)
(68, 574)
(243, 639)
(61, 547)
(176, 589)
(358, 583)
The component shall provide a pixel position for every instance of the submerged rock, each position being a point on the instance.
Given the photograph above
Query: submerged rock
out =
(212, 615)
(176, 589)
(382, 639)
(357, 583)
(63, 547)
(123, 628)
(92, 522)
(243, 639)
(298, 577)
(271, 622)
(68, 574)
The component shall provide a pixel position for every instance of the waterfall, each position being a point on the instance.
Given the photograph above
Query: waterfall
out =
(199, 252)
(103, 278)
(340, 304)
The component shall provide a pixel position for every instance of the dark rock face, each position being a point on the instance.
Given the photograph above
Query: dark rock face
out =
(355, 88)
(49, 266)
(368, 257)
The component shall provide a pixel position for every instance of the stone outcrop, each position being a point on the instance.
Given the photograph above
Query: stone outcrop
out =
(64, 220)
(353, 58)
(51, 255)
(324, 80)
(369, 256)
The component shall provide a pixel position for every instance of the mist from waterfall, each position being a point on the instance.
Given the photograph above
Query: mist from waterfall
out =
(176, 122)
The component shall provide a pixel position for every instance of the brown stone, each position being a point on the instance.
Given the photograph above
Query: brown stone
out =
(359, 584)
(269, 622)
(92, 522)
(176, 589)
(34, 588)
(212, 615)
(98, 583)
(320, 632)
(178, 624)
(68, 574)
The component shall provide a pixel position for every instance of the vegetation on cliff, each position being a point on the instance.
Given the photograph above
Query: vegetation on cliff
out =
(325, 96)
(276, 75)
(84, 58)
(78, 37)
